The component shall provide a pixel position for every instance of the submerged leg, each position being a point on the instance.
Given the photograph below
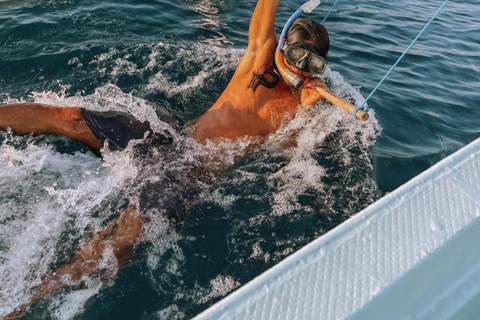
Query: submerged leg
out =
(120, 235)
(36, 119)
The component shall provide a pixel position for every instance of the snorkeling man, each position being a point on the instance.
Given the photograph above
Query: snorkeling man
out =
(256, 102)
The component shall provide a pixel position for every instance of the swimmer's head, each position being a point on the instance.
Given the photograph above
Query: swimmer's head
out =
(306, 36)
(308, 30)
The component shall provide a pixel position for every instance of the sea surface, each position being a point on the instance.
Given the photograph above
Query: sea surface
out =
(167, 62)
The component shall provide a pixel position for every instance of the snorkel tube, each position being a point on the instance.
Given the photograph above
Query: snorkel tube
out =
(290, 77)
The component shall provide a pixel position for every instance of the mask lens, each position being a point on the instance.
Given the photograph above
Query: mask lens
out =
(317, 64)
(296, 54)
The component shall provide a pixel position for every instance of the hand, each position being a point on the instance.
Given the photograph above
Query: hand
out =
(309, 96)
(311, 83)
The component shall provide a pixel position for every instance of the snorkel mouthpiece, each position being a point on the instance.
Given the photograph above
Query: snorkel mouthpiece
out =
(286, 74)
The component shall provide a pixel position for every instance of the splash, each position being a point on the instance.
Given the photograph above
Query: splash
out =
(46, 205)
(53, 201)
(108, 97)
(57, 198)
(53, 198)
(68, 305)
(326, 127)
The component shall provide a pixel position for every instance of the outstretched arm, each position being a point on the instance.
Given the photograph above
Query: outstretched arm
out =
(36, 119)
(119, 236)
(262, 39)
(262, 26)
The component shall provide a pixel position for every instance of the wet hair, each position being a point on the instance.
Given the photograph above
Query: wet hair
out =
(302, 29)
(307, 29)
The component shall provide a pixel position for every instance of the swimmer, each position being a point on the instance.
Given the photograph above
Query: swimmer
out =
(257, 100)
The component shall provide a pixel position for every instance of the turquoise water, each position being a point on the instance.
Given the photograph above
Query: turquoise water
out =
(168, 62)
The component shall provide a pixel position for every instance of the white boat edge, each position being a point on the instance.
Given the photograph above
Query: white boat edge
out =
(246, 296)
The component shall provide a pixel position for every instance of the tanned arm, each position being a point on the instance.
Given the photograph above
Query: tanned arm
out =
(262, 25)
(262, 38)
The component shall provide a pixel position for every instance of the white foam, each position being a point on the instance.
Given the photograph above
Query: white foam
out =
(108, 97)
(33, 221)
(47, 196)
(258, 253)
(160, 234)
(214, 61)
(310, 128)
(220, 287)
(68, 305)
(170, 313)
(218, 197)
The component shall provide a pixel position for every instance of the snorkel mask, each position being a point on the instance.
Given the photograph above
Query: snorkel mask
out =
(290, 77)
(303, 56)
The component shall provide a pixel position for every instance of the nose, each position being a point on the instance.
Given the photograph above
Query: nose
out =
(301, 64)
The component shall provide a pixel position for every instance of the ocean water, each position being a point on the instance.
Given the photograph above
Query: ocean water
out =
(167, 62)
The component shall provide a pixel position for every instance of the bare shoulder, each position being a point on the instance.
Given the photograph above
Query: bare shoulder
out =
(257, 56)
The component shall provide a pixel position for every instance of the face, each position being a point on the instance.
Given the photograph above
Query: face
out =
(301, 73)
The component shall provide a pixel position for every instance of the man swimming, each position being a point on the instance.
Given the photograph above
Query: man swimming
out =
(257, 100)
